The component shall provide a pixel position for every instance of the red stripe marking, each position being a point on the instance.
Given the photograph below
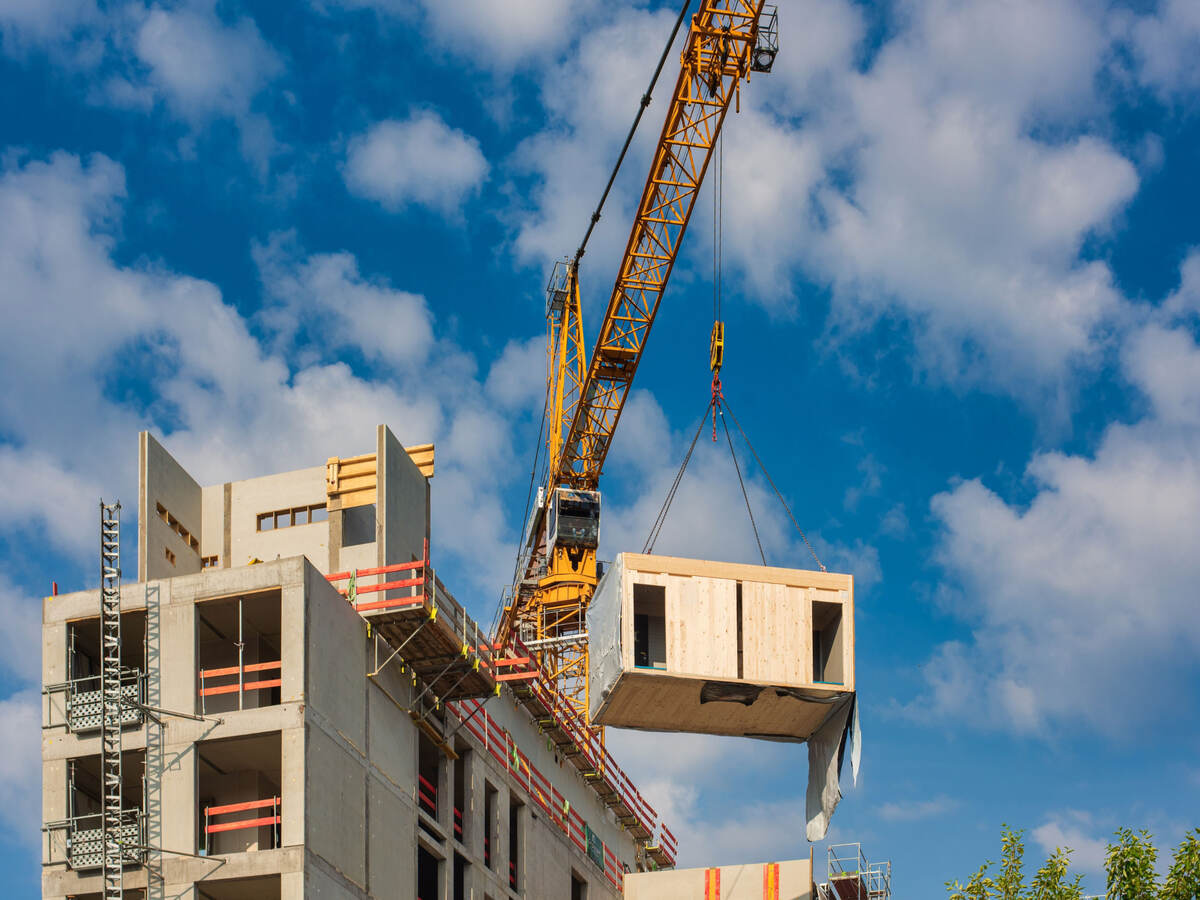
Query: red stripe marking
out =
(249, 823)
(240, 807)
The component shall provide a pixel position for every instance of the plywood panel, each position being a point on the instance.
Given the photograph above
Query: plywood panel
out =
(776, 636)
(702, 626)
(704, 568)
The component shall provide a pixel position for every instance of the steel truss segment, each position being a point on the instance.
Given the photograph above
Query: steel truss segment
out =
(111, 699)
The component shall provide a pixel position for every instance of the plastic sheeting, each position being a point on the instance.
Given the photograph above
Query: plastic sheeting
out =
(604, 637)
(826, 750)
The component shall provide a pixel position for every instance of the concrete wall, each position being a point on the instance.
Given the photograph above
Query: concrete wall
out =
(748, 882)
(403, 501)
(162, 480)
(274, 492)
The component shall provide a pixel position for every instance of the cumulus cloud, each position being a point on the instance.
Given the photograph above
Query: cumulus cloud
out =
(20, 758)
(326, 298)
(227, 403)
(1166, 44)
(498, 36)
(944, 186)
(1073, 830)
(418, 161)
(1099, 566)
(184, 57)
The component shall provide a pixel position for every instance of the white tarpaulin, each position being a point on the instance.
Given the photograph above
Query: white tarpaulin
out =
(826, 749)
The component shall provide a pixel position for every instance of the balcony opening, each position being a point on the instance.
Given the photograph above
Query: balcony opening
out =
(827, 643)
(490, 797)
(460, 877)
(649, 626)
(238, 787)
(429, 771)
(85, 804)
(461, 801)
(428, 875)
(83, 671)
(514, 843)
(238, 662)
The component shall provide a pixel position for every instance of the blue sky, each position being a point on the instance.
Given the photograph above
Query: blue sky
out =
(962, 288)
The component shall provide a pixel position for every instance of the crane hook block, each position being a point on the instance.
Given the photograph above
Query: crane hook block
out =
(716, 347)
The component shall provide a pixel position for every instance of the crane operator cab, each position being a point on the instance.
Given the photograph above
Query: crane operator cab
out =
(574, 520)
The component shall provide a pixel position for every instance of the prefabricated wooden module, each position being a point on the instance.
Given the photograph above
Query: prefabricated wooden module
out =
(719, 648)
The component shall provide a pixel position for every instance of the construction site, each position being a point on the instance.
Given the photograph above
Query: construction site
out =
(288, 701)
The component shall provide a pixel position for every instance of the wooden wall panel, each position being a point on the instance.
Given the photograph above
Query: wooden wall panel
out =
(702, 626)
(776, 635)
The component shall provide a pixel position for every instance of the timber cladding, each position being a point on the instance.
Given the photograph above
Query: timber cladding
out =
(719, 648)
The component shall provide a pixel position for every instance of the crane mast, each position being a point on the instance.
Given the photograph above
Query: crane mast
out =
(556, 574)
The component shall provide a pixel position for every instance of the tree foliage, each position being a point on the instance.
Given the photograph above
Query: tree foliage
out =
(1130, 867)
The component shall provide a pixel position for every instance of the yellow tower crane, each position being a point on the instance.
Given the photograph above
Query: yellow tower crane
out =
(556, 572)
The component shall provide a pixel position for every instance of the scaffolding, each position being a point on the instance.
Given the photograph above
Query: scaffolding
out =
(851, 876)
(112, 823)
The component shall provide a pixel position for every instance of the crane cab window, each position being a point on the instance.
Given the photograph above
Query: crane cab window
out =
(575, 519)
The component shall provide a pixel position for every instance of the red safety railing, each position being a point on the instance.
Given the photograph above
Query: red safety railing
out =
(427, 796)
(499, 743)
(211, 812)
(420, 579)
(241, 684)
(458, 823)
(667, 841)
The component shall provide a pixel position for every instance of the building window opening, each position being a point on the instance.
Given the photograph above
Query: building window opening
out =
(460, 877)
(262, 887)
(296, 515)
(238, 663)
(240, 804)
(429, 770)
(428, 870)
(490, 797)
(649, 626)
(83, 671)
(209, 562)
(85, 804)
(461, 781)
(578, 887)
(514, 843)
(827, 640)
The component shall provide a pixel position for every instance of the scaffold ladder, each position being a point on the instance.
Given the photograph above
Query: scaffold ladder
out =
(110, 694)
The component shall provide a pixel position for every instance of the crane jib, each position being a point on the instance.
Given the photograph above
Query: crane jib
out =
(717, 56)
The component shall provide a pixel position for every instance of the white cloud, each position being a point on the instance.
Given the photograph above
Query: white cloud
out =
(1073, 830)
(1166, 44)
(20, 759)
(20, 641)
(1082, 596)
(198, 65)
(226, 404)
(485, 33)
(918, 809)
(40, 21)
(416, 161)
(947, 186)
(325, 296)
(517, 379)
(202, 66)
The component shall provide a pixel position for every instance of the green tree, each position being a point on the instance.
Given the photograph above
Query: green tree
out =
(1183, 880)
(1130, 865)
(980, 886)
(1052, 881)
(1012, 864)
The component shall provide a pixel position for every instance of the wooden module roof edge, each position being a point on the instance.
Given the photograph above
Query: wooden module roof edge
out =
(675, 565)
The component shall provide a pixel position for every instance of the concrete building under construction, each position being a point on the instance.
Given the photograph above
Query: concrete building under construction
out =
(307, 711)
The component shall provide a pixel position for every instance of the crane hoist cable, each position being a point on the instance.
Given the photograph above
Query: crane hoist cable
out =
(645, 101)
(660, 519)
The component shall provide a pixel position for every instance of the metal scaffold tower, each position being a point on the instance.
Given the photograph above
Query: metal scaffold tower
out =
(110, 691)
